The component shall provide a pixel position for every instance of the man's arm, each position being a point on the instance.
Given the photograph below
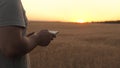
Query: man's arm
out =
(14, 44)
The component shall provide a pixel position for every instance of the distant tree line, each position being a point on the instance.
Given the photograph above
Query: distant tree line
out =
(109, 22)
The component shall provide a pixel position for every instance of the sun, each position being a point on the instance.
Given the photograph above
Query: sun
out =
(80, 21)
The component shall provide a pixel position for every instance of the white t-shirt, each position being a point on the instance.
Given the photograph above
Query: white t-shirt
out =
(12, 14)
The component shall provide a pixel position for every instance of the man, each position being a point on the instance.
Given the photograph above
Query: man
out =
(14, 45)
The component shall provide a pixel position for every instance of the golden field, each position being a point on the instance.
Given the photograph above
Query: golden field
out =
(78, 46)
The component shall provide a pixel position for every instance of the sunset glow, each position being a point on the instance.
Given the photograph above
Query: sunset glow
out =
(70, 10)
(80, 21)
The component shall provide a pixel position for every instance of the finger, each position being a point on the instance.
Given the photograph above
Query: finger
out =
(53, 35)
(30, 34)
(45, 30)
(52, 38)
(45, 43)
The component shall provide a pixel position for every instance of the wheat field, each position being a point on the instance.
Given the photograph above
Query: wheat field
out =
(78, 46)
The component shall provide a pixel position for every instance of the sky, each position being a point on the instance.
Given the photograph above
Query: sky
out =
(72, 10)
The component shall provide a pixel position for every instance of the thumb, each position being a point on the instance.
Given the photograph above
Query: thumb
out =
(30, 34)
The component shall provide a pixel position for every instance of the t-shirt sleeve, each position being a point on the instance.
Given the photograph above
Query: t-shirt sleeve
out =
(12, 13)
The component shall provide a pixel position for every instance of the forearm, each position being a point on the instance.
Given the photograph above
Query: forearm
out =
(27, 45)
(30, 43)
(20, 47)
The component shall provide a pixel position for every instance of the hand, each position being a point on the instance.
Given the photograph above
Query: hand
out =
(44, 37)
